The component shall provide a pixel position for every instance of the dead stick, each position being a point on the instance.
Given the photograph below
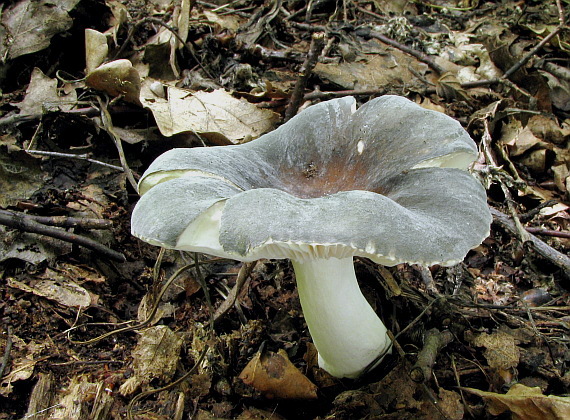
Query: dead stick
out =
(64, 221)
(16, 221)
(549, 232)
(435, 340)
(317, 44)
(109, 128)
(542, 248)
(521, 234)
(243, 274)
(341, 93)
(414, 53)
(74, 156)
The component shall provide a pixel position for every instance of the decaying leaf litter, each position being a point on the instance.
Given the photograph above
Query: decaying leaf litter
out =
(481, 339)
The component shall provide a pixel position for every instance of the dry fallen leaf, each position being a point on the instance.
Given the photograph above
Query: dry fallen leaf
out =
(519, 139)
(21, 367)
(73, 403)
(96, 49)
(215, 115)
(30, 25)
(275, 376)
(501, 351)
(155, 357)
(450, 403)
(117, 78)
(42, 94)
(64, 292)
(395, 70)
(526, 403)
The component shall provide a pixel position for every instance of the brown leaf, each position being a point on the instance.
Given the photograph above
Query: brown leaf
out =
(42, 94)
(117, 78)
(31, 24)
(275, 376)
(156, 356)
(211, 114)
(450, 403)
(526, 403)
(501, 351)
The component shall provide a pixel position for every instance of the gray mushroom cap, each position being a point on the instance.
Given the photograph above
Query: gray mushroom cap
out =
(388, 181)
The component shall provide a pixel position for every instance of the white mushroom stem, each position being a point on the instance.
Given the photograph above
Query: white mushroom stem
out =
(346, 331)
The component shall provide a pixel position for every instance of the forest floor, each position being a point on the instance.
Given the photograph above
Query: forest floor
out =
(96, 324)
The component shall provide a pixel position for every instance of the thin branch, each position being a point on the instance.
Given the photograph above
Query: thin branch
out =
(226, 305)
(435, 341)
(108, 126)
(549, 232)
(414, 53)
(558, 258)
(317, 44)
(341, 93)
(73, 156)
(64, 221)
(17, 221)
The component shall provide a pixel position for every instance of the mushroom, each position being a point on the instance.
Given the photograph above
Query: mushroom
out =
(388, 182)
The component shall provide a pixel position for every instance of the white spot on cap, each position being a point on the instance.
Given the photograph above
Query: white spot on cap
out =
(360, 146)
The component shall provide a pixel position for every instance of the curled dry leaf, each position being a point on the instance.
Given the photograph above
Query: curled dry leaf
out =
(116, 78)
(526, 403)
(501, 351)
(364, 74)
(42, 94)
(64, 292)
(275, 376)
(450, 404)
(216, 115)
(96, 49)
(30, 25)
(24, 358)
(155, 357)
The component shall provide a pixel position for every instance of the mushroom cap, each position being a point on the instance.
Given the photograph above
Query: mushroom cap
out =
(388, 181)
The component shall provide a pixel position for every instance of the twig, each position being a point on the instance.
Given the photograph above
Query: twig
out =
(549, 232)
(427, 279)
(87, 112)
(529, 215)
(414, 53)
(341, 93)
(521, 233)
(204, 286)
(226, 305)
(317, 44)
(7, 351)
(558, 258)
(18, 221)
(417, 319)
(435, 340)
(64, 221)
(108, 126)
(73, 156)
